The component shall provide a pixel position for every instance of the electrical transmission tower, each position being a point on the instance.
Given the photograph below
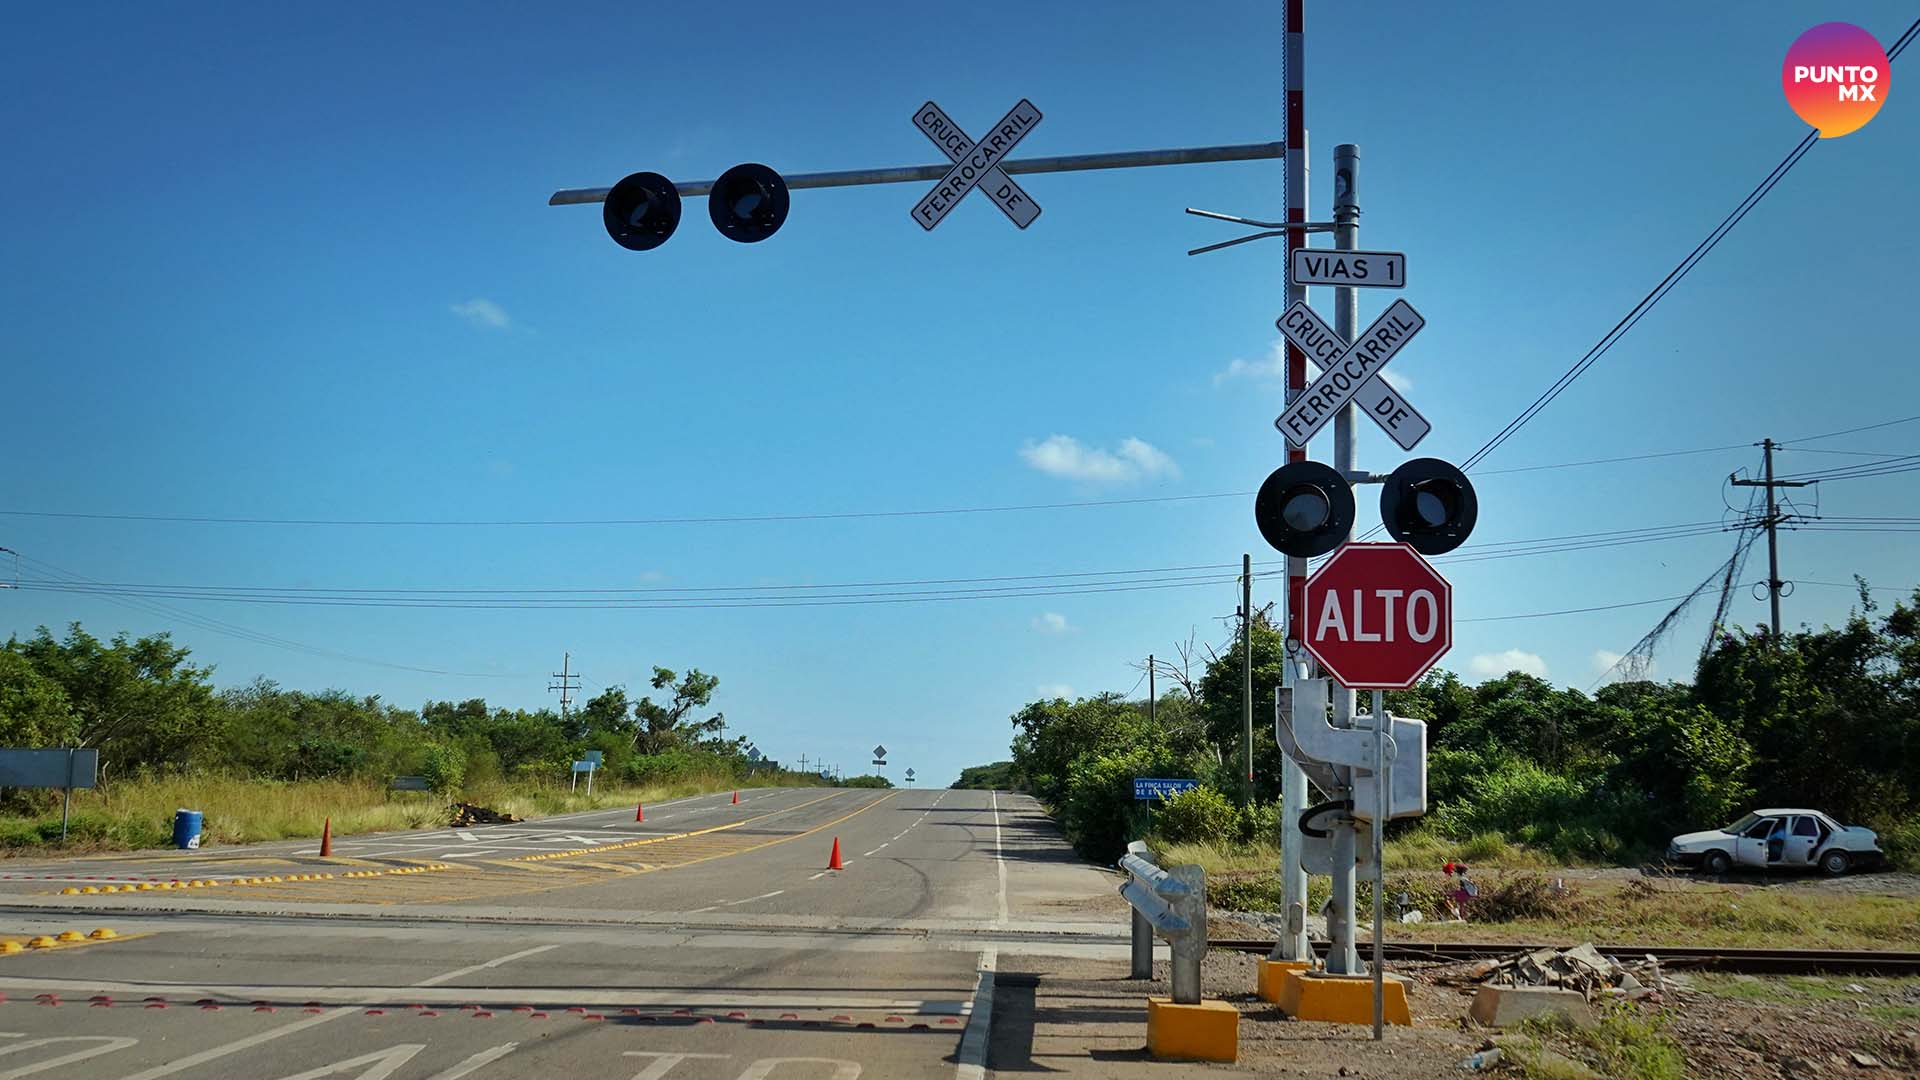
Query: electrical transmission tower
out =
(1771, 522)
(566, 681)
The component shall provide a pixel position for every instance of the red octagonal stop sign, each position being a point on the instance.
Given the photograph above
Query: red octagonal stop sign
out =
(1377, 616)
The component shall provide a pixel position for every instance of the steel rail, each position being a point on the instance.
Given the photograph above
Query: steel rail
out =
(1714, 958)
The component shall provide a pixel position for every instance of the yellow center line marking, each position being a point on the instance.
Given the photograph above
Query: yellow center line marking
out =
(785, 839)
(486, 879)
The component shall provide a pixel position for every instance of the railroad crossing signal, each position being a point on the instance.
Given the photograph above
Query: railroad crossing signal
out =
(1007, 195)
(1349, 371)
(1304, 508)
(748, 203)
(974, 162)
(1429, 505)
(1377, 616)
(1395, 415)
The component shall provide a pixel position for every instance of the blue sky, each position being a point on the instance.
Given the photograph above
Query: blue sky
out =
(264, 265)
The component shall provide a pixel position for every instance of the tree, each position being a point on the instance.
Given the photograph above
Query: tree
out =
(140, 702)
(1051, 736)
(33, 708)
(999, 776)
(663, 727)
(607, 711)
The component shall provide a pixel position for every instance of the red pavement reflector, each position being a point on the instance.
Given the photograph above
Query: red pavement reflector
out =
(833, 861)
(639, 811)
(326, 839)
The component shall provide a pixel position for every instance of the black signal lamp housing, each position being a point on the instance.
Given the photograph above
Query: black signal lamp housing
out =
(641, 211)
(1429, 505)
(1304, 508)
(748, 203)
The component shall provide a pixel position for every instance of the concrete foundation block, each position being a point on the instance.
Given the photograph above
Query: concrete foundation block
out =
(1504, 1006)
(1342, 999)
(1209, 1031)
(1272, 973)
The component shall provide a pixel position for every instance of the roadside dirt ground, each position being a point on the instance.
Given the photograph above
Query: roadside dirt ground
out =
(1085, 1018)
(1754, 1028)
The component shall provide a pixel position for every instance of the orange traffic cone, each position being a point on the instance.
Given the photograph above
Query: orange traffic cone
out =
(736, 798)
(326, 839)
(833, 861)
(639, 811)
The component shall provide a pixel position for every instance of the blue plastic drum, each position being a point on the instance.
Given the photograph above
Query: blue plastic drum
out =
(186, 829)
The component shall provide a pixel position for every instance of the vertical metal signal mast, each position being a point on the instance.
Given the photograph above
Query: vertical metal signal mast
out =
(1292, 943)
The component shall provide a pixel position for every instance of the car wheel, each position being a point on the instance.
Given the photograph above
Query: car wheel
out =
(1835, 863)
(1716, 863)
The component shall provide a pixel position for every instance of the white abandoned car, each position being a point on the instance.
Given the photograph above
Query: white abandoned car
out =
(1778, 839)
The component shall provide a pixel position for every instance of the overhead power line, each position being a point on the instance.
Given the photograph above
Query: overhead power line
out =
(233, 630)
(1059, 583)
(1668, 283)
(850, 515)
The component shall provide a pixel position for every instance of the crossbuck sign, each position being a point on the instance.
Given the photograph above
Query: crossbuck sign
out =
(976, 164)
(1350, 374)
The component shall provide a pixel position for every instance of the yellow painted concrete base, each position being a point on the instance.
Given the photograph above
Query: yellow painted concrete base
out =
(1341, 999)
(1272, 973)
(1209, 1031)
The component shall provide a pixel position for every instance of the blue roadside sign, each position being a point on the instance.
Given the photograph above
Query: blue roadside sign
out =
(583, 766)
(1146, 789)
(596, 756)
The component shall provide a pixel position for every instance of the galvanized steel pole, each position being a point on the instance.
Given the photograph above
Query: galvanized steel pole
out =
(1142, 947)
(1380, 767)
(1342, 957)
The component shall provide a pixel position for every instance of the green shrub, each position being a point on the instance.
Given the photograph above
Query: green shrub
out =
(444, 767)
(1901, 842)
(1196, 816)
(1259, 824)
(1515, 797)
(1100, 814)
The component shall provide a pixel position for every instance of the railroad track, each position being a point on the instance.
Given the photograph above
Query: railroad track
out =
(1747, 961)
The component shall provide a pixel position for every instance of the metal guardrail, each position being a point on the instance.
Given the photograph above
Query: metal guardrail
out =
(1172, 903)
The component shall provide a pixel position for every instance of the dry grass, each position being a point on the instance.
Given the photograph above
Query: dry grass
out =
(1697, 913)
(134, 814)
(1419, 850)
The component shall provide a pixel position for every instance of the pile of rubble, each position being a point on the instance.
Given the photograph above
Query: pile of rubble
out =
(1581, 968)
(467, 814)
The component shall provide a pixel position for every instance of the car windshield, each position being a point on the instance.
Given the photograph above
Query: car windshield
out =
(1742, 825)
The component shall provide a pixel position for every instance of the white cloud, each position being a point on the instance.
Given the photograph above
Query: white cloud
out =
(483, 313)
(1273, 367)
(1397, 381)
(1051, 622)
(1049, 691)
(1065, 456)
(1494, 665)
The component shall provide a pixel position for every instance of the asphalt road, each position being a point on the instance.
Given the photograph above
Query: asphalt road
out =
(708, 943)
